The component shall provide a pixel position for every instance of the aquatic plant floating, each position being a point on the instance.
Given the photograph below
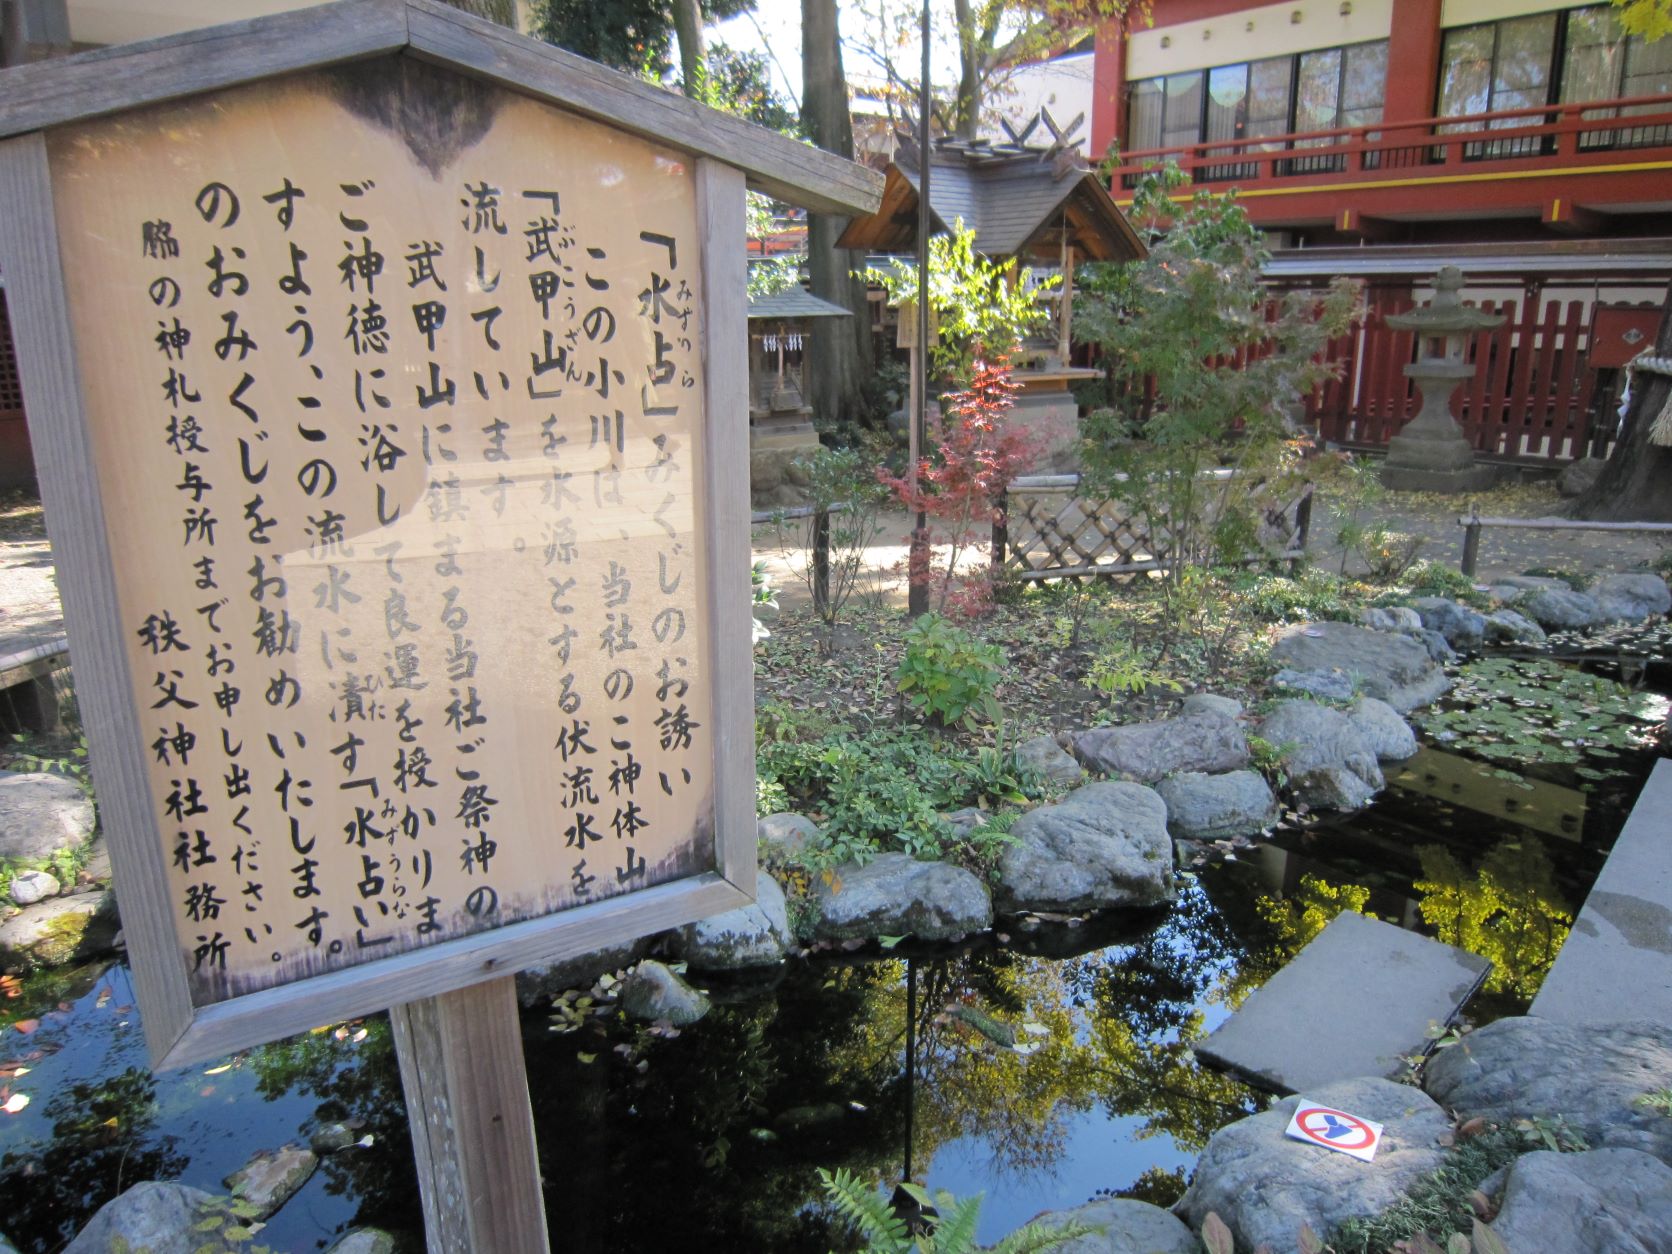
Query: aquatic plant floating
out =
(1335, 1130)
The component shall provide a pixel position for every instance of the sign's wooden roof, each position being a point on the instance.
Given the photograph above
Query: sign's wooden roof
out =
(1016, 204)
(126, 76)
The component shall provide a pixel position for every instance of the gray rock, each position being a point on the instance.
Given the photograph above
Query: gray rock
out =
(1390, 618)
(1330, 763)
(894, 895)
(6, 1247)
(1461, 626)
(1325, 685)
(1147, 752)
(41, 813)
(1102, 845)
(59, 930)
(1509, 627)
(1604, 1201)
(750, 936)
(155, 1217)
(1439, 648)
(1393, 668)
(785, 837)
(538, 985)
(1390, 737)
(961, 823)
(1559, 609)
(331, 1138)
(1265, 1186)
(364, 1241)
(1213, 807)
(96, 870)
(1047, 758)
(272, 1177)
(655, 994)
(1578, 476)
(1530, 583)
(1208, 703)
(1592, 1076)
(1631, 596)
(1129, 1227)
(28, 887)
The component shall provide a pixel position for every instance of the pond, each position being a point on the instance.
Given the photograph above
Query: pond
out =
(1048, 1062)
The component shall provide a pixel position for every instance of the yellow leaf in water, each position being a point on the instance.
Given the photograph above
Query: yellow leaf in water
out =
(220, 1070)
(15, 1103)
(360, 1036)
(111, 1122)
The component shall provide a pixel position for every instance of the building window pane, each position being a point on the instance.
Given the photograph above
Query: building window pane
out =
(1269, 84)
(1595, 55)
(1181, 117)
(1363, 84)
(1227, 102)
(1521, 75)
(1318, 93)
(1466, 71)
(1143, 116)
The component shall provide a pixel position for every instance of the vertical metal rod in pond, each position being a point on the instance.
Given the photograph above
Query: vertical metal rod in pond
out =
(917, 589)
(911, 1055)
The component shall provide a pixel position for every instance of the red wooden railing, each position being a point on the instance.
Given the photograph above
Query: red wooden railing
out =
(1577, 132)
(1530, 397)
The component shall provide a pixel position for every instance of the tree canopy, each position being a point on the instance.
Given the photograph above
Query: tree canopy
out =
(631, 35)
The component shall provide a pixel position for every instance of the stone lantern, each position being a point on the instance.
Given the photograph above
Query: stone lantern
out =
(1431, 453)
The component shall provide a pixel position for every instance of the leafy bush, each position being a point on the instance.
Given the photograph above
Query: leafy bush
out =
(947, 675)
(885, 792)
(1432, 579)
(1309, 596)
(946, 1225)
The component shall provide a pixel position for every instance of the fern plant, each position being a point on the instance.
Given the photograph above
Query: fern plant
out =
(951, 1230)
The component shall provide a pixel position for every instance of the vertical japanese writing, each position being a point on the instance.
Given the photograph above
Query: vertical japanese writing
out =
(413, 586)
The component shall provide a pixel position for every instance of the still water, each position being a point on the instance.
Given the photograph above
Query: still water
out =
(1048, 1063)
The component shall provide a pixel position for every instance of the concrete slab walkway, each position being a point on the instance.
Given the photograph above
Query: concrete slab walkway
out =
(1356, 1001)
(1617, 962)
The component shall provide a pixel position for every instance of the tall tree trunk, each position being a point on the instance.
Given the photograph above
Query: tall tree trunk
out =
(839, 353)
(1636, 484)
(687, 26)
(502, 11)
(966, 109)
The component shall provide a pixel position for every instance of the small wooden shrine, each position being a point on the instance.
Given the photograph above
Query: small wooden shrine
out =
(780, 326)
(1038, 202)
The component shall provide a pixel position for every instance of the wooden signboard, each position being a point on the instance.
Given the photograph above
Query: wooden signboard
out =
(392, 424)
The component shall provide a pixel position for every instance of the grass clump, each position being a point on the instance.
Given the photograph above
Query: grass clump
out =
(1441, 1203)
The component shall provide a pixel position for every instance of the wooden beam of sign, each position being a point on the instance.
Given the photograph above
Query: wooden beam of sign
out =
(93, 84)
(466, 1090)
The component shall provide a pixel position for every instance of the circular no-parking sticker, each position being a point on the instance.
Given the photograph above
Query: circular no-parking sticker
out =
(1335, 1129)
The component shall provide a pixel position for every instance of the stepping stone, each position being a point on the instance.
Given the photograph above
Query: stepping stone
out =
(1355, 1002)
(1617, 961)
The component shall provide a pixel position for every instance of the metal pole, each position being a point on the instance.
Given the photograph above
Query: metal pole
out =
(917, 593)
(911, 1056)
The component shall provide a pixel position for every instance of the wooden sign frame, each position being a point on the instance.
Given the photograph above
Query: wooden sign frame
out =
(727, 154)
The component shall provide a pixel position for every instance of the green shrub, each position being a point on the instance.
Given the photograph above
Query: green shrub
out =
(947, 675)
(885, 793)
(1432, 579)
(1308, 596)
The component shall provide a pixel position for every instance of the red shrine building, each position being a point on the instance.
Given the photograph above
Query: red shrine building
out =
(1528, 144)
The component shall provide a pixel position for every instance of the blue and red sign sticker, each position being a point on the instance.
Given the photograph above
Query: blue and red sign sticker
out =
(1335, 1129)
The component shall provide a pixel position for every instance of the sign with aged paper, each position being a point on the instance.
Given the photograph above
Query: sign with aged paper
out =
(401, 468)
(387, 378)
(386, 372)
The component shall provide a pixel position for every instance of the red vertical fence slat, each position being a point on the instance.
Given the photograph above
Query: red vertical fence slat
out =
(1566, 420)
